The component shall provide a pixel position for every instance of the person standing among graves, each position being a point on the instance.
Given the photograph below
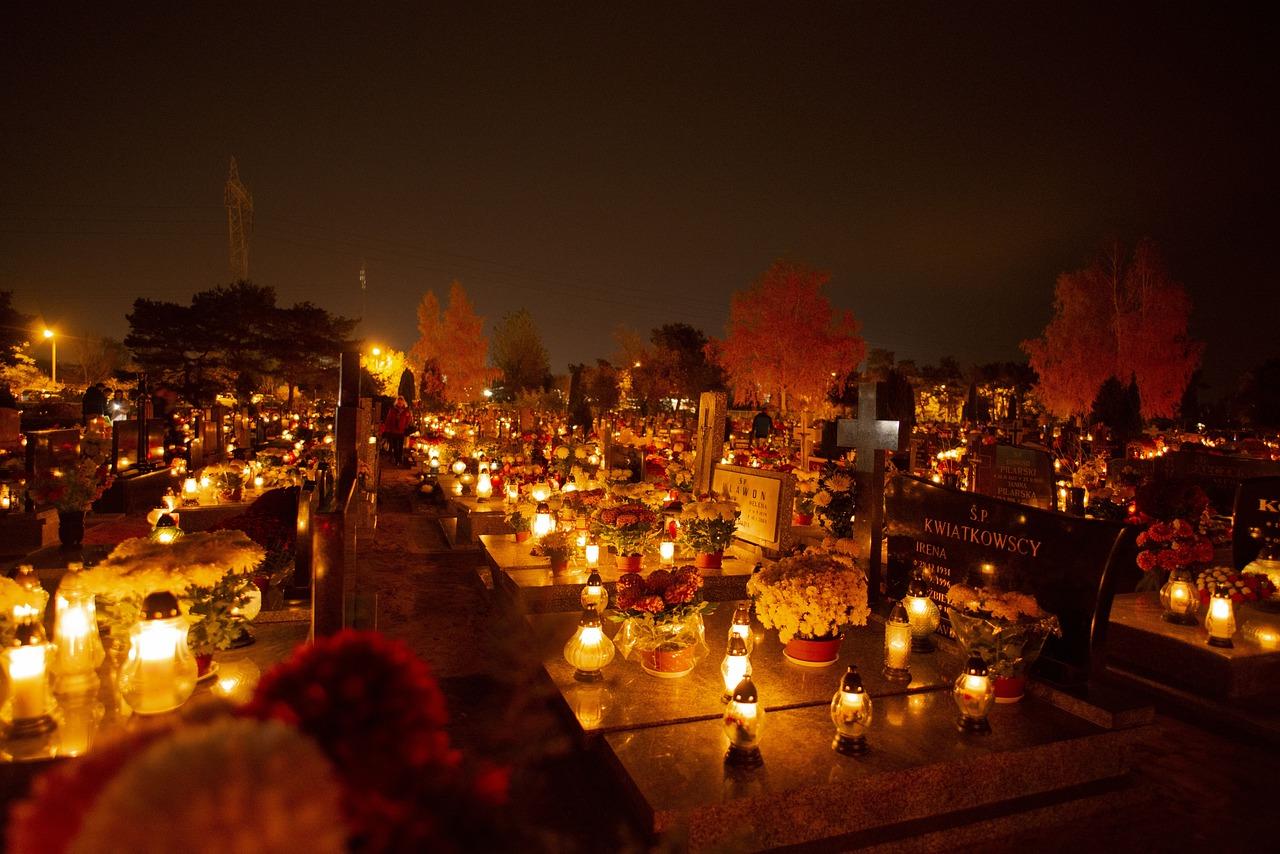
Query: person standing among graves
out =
(761, 427)
(94, 402)
(394, 428)
(119, 407)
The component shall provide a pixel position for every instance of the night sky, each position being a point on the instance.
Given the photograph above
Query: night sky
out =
(603, 165)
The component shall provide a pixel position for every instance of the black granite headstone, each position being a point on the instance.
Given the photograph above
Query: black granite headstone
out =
(1257, 517)
(1217, 474)
(1071, 565)
(1024, 475)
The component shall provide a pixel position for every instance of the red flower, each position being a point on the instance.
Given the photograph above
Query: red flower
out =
(630, 582)
(658, 580)
(650, 604)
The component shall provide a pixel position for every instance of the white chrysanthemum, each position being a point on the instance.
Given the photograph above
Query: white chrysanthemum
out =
(233, 786)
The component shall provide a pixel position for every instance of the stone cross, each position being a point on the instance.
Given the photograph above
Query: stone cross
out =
(807, 434)
(872, 438)
(709, 440)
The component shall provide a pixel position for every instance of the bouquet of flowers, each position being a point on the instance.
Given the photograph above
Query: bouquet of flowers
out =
(806, 489)
(570, 459)
(679, 471)
(834, 501)
(1166, 546)
(75, 489)
(1006, 629)
(661, 613)
(557, 546)
(630, 528)
(707, 525)
(810, 595)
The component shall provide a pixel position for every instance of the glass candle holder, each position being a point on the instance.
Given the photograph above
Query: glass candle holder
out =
(1180, 599)
(1220, 621)
(851, 713)
(26, 663)
(741, 625)
(484, 486)
(166, 530)
(594, 595)
(897, 645)
(742, 722)
(592, 553)
(974, 693)
(78, 645)
(589, 650)
(923, 615)
(543, 522)
(735, 666)
(159, 674)
(667, 551)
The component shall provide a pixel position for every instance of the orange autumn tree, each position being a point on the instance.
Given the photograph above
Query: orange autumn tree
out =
(453, 342)
(1119, 317)
(785, 341)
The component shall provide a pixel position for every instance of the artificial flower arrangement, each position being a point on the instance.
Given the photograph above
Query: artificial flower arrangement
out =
(631, 528)
(708, 524)
(811, 595)
(1166, 546)
(210, 573)
(834, 501)
(661, 617)
(344, 746)
(556, 546)
(1005, 628)
(1243, 587)
(75, 489)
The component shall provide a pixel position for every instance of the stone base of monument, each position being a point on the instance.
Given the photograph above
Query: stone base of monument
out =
(1237, 686)
(520, 576)
(136, 493)
(921, 776)
(21, 533)
(472, 518)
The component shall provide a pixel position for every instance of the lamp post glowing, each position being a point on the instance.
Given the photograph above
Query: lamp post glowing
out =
(53, 360)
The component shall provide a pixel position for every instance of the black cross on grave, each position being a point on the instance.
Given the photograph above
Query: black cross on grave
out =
(872, 438)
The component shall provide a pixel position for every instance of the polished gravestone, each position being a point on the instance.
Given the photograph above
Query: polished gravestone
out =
(664, 739)
(518, 573)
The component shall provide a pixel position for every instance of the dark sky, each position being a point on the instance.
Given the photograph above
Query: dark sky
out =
(603, 164)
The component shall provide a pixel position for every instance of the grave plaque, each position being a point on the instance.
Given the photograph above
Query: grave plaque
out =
(765, 499)
(1071, 565)
(1257, 517)
(1217, 475)
(1024, 475)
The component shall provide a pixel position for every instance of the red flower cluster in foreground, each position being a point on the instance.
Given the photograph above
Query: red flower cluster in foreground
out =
(663, 589)
(378, 714)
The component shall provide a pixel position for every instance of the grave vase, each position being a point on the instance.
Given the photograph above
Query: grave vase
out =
(630, 563)
(523, 536)
(709, 560)
(801, 519)
(1010, 689)
(71, 528)
(813, 652)
(559, 565)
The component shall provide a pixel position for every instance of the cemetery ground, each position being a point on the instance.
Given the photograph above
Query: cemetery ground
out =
(1193, 784)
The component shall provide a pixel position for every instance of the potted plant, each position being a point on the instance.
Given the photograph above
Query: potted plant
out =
(807, 598)
(1006, 630)
(631, 528)
(806, 489)
(707, 527)
(661, 617)
(521, 521)
(558, 548)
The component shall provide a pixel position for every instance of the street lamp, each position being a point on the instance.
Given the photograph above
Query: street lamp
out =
(53, 342)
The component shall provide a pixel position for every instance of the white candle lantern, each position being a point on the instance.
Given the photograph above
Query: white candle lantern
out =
(1221, 619)
(1179, 598)
(923, 615)
(75, 635)
(26, 666)
(160, 672)
(592, 552)
(742, 722)
(741, 625)
(735, 667)
(589, 650)
(897, 645)
(851, 713)
(973, 694)
(594, 596)
(667, 551)
(543, 522)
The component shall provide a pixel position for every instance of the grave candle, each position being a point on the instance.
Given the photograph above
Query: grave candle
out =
(543, 522)
(897, 645)
(741, 625)
(1221, 619)
(974, 694)
(922, 614)
(735, 667)
(851, 713)
(592, 551)
(594, 596)
(160, 673)
(667, 551)
(484, 485)
(459, 466)
(190, 491)
(75, 635)
(742, 721)
(589, 650)
(26, 666)
(1179, 598)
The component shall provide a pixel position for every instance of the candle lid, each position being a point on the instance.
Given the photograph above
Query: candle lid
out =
(160, 605)
(28, 633)
(852, 681)
(975, 666)
(746, 691)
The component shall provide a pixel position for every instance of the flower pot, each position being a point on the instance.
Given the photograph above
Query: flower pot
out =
(523, 536)
(811, 652)
(1010, 689)
(630, 563)
(559, 565)
(709, 560)
(70, 528)
(668, 663)
(206, 667)
(801, 519)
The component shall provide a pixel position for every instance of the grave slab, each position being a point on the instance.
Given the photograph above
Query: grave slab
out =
(628, 697)
(920, 773)
(521, 575)
(1142, 642)
(474, 518)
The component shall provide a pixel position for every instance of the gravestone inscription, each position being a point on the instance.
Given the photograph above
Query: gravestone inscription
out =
(1024, 475)
(1257, 518)
(1071, 565)
(764, 499)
